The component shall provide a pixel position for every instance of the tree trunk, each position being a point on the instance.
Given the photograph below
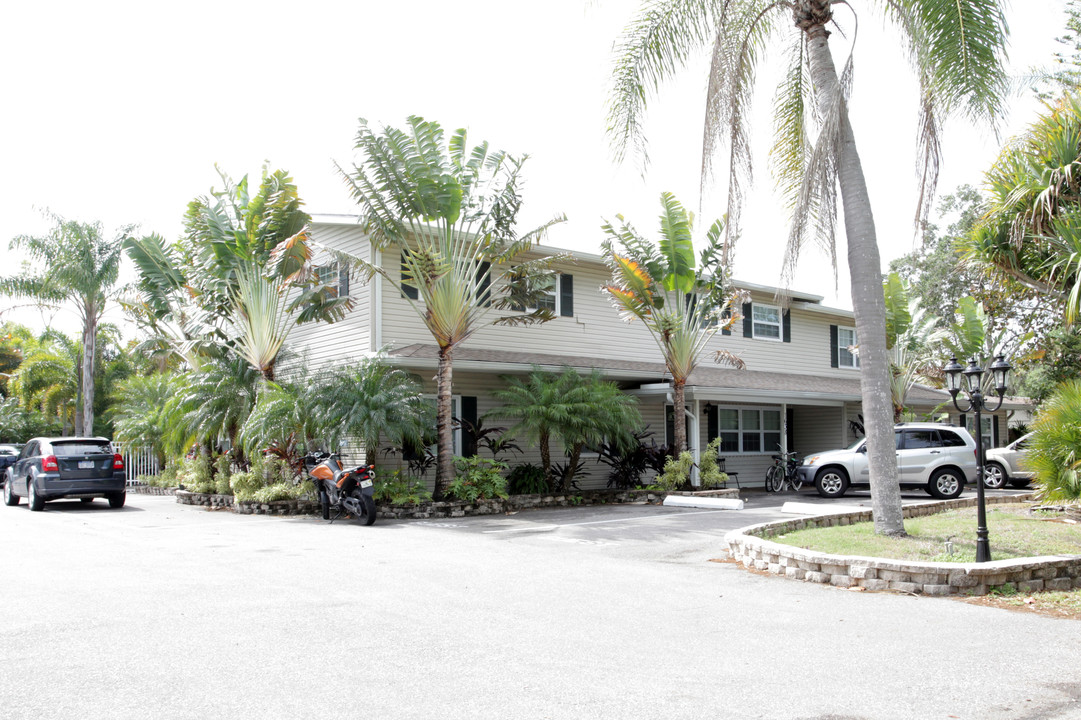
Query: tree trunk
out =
(545, 453)
(90, 334)
(679, 417)
(865, 270)
(444, 466)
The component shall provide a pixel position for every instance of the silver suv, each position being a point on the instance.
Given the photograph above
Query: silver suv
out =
(934, 457)
(1007, 465)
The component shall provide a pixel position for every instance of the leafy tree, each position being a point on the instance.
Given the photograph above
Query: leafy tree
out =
(75, 264)
(451, 210)
(956, 47)
(912, 337)
(580, 411)
(682, 306)
(1064, 75)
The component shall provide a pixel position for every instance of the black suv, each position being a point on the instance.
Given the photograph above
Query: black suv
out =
(66, 467)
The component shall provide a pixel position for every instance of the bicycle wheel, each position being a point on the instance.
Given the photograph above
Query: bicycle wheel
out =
(795, 481)
(774, 480)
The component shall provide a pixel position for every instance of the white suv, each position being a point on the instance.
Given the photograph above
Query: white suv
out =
(937, 458)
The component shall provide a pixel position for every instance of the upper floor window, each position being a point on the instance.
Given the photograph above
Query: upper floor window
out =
(766, 321)
(846, 339)
(550, 299)
(333, 278)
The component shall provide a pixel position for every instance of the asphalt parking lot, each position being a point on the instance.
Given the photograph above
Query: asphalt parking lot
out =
(166, 611)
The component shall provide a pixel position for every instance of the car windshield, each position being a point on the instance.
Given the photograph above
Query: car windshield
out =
(856, 445)
(80, 447)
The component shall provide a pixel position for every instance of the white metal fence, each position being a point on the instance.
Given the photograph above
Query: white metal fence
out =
(138, 460)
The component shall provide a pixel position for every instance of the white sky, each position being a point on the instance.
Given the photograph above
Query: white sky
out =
(117, 111)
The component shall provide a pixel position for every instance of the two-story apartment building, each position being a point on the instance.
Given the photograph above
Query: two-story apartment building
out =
(800, 389)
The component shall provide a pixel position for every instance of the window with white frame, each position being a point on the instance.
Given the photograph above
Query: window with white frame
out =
(330, 276)
(749, 430)
(766, 321)
(846, 338)
(550, 299)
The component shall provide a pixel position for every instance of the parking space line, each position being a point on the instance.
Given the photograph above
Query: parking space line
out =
(536, 528)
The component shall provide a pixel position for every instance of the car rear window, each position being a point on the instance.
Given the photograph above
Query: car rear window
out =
(68, 449)
(951, 439)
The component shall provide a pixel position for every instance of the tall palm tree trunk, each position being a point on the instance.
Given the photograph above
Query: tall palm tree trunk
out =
(444, 467)
(90, 333)
(679, 421)
(867, 299)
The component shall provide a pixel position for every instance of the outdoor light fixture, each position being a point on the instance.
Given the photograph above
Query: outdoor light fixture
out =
(973, 379)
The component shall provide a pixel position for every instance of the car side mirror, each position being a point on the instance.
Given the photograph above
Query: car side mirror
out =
(863, 448)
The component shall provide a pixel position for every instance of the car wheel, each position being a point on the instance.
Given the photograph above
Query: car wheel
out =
(117, 499)
(10, 498)
(37, 503)
(994, 476)
(946, 484)
(831, 483)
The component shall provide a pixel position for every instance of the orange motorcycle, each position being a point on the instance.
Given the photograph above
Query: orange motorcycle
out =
(344, 491)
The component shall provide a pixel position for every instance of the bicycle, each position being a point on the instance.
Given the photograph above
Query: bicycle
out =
(784, 471)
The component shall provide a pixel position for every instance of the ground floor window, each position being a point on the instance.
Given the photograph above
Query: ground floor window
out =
(749, 430)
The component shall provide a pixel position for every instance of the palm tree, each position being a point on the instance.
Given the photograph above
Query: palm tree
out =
(140, 416)
(48, 378)
(76, 265)
(1031, 234)
(451, 210)
(212, 404)
(912, 338)
(370, 400)
(239, 279)
(580, 411)
(682, 306)
(956, 47)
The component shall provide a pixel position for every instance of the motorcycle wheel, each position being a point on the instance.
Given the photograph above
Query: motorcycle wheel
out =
(324, 503)
(369, 509)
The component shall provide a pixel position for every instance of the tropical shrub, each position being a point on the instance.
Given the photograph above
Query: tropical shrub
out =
(1055, 448)
(400, 489)
(709, 470)
(478, 478)
(197, 474)
(527, 479)
(629, 461)
(677, 473)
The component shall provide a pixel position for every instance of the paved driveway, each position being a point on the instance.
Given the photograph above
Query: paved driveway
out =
(168, 611)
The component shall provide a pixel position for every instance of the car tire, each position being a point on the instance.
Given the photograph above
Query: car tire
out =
(86, 501)
(117, 499)
(995, 476)
(946, 484)
(831, 482)
(10, 498)
(37, 503)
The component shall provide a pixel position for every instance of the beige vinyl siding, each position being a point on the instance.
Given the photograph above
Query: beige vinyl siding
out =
(597, 330)
(322, 344)
(817, 428)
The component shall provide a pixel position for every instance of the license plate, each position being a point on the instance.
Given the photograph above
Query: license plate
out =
(365, 483)
(86, 464)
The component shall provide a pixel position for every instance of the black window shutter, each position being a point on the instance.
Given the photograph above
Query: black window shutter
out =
(786, 326)
(994, 431)
(712, 426)
(469, 417)
(834, 361)
(343, 280)
(725, 315)
(484, 281)
(566, 295)
(962, 423)
(409, 291)
(748, 320)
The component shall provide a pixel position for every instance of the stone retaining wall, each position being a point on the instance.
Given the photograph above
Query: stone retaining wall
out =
(749, 546)
(151, 490)
(449, 508)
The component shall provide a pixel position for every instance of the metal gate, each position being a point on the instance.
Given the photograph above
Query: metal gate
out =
(138, 460)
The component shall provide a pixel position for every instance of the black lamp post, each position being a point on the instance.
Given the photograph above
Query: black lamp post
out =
(972, 377)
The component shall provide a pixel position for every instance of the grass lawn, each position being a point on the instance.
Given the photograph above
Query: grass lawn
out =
(1014, 531)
